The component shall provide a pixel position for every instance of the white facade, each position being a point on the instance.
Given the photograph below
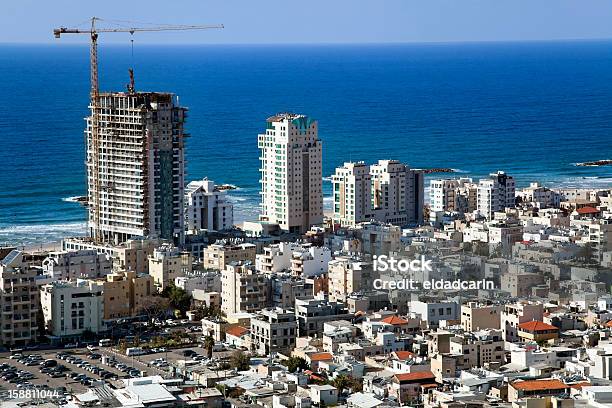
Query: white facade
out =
(388, 191)
(304, 260)
(291, 172)
(495, 193)
(243, 289)
(434, 312)
(452, 195)
(207, 207)
(71, 308)
(85, 263)
(136, 167)
(539, 196)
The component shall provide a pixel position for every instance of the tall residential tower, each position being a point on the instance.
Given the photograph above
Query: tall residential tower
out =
(388, 191)
(291, 175)
(136, 167)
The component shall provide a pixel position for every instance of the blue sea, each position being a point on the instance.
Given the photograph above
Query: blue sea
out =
(530, 109)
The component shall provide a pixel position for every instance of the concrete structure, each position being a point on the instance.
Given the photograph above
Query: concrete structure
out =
(132, 255)
(312, 314)
(495, 194)
(71, 308)
(291, 172)
(136, 170)
(452, 195)
(539, 196)
(304, 260)
(220, 254)
(243, 289)
(388, 191)
(434, 312)
(479, 348)
(168, 263)
(273, 331)
(126, 294)
(207, 207)
(478, 317)
(515, 314)
(19, 301)
(347, 276)
(68, 265)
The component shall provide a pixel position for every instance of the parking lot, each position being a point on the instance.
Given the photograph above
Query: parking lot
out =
(73, 371)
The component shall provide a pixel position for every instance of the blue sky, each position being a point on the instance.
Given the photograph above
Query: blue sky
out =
(321, 21)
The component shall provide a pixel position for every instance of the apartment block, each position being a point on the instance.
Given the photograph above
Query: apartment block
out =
(136, 166)
(291, 172)
(495, 193)
(312, 314)
(72, 308)
(207, 207)
(273, 331)
(452, 195)
(80, 264)
(168, 263)
(515, 314)
(388, 191)
(19, 301)
(126, 294)
(539, 196)
(220, 254)
(475, 316)
(479, 348)
(347, 276)
(131, 255)
(301, 259)
(243, 289)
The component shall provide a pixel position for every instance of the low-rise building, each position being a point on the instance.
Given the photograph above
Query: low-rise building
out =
(220, 254)
(273, 331)
(80, 264)
(168, 263)
(73, 308)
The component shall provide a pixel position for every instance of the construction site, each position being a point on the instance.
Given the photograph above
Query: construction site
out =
(135, 154)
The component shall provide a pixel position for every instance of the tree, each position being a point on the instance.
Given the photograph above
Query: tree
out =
(209, 343)
(178, 298)
(341, 382)
(296, 363)
(154, 307)
(240, 360)
(344, 382)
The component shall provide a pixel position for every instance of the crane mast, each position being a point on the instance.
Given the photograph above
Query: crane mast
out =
(93, 32)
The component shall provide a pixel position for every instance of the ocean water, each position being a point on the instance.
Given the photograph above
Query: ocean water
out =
(531, 109)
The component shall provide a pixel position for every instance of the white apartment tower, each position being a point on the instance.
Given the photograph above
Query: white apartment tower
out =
(136, 167)
(207, 207)
(452, 195)
(291, 172)
(495, 193)
(389, 192)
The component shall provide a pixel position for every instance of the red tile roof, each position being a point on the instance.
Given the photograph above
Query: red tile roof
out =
(415, 377)
(237, 331)
(535, 326)
(394, 320)
(404, 355)
(587, 210)
(539, 385)
(321, 357)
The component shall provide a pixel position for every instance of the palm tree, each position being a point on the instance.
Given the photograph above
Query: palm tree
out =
(209, 343)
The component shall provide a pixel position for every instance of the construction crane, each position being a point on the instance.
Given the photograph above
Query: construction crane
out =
(93, 32)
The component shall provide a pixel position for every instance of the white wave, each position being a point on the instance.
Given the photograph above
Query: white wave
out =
(459, 171)
(327, 178)
(73, 199)
(40, 233)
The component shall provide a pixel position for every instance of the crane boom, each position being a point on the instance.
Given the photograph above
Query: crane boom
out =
(93, 31)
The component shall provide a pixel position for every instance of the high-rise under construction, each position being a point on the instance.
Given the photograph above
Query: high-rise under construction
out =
(136, 166)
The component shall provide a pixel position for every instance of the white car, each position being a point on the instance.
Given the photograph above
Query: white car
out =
(91, 348)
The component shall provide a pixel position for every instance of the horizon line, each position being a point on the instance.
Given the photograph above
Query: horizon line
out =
(330, 43)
